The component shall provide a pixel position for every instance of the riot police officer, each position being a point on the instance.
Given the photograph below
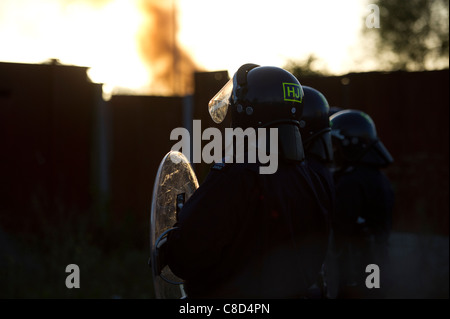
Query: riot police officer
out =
(316, 135)
(315, 131)
(364, 200)
(243, 234)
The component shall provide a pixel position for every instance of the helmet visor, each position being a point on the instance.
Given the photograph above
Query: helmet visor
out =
(218, 105)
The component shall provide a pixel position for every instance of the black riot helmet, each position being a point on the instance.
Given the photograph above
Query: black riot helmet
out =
(355, 140)
(263, 97)
(315, 125)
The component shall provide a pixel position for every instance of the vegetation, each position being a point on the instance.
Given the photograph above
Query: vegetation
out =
(413, 35)
(32, 265)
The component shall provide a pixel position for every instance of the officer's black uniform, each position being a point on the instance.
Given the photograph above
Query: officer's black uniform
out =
(246, 235)
(363, 221)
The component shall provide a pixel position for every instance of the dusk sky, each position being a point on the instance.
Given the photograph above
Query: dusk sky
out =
(105, 35)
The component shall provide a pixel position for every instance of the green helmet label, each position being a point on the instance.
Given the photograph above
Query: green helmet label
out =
(292, 92)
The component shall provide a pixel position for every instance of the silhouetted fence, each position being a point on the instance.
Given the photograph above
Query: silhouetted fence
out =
(67, 153)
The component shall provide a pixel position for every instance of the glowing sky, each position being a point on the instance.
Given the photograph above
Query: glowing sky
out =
(268, 32)
(218, 35)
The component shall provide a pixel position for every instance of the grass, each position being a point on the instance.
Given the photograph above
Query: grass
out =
(112, 257)
(111, 263)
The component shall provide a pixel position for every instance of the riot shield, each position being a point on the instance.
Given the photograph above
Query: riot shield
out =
(175, 182)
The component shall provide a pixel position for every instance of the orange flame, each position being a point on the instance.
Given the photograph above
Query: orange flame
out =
(170, 65)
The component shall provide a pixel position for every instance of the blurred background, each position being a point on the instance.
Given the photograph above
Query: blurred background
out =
(90, 91)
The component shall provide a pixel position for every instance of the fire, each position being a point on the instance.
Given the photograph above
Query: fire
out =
(168, 62)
